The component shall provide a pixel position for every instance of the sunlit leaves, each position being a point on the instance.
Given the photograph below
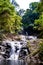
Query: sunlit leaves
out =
(8, 17)
(39, 23)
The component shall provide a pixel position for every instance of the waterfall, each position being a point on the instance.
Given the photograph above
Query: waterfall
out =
(14, 55)
(15, 47)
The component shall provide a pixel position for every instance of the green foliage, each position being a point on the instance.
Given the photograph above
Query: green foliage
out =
(29, 16)
(40, 7)
(33, 19)
(17, 24)
(39, 23)
(8, 16)
(26, 18)
(33, 5)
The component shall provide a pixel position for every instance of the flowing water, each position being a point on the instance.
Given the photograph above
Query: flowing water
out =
(13, 59)
(12, 62)
(14, 54)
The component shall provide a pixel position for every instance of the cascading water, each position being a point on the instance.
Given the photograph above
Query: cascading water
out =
(14, 54)
(12, 51)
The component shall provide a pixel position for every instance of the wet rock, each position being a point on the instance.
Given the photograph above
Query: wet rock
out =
(1, 57)
(32, 59)
(24, 52)
(27, 59)
(5, 49)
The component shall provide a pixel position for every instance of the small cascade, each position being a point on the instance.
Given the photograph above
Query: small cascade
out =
(12, 48)
(15, 45)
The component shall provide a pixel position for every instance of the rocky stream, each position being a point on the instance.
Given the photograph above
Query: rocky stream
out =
(17, 52)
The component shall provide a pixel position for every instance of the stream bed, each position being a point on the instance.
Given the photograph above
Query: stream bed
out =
(19, 62)
(11, 50)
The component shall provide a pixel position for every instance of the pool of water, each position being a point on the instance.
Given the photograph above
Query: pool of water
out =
(19, 62)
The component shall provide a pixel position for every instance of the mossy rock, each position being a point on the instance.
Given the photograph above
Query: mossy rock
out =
(2, 36)
(28, 44)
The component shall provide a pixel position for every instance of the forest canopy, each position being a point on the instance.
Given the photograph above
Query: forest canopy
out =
(33, 19)
(13, 21)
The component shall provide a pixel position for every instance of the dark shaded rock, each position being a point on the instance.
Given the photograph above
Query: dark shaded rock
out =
(24, 52)
(16, 49)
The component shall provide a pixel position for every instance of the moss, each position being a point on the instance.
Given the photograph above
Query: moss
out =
(28, 44)
(2, 36)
